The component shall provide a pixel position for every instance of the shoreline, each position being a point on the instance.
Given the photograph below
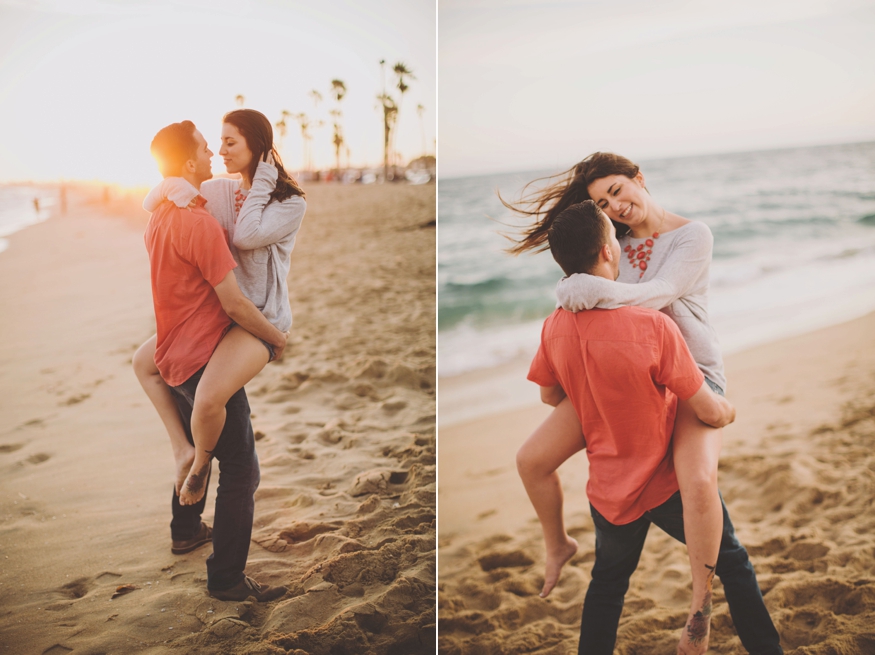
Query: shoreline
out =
(796, 471)
(484, 392)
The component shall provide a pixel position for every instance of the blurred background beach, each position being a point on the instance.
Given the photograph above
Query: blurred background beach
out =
(756, 118)
(345, 423)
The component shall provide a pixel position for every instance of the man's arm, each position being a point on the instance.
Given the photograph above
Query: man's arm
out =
(245, 314)
(711, 408)
(552, 395)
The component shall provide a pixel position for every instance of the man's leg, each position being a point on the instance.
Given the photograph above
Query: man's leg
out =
(186, 522)
(749, 614)
(235, 497)
(617, 550)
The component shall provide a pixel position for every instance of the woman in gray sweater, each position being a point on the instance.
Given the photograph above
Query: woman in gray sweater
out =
(262, 212)
(665, 266)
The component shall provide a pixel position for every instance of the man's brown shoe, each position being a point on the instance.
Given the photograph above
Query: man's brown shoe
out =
(247, 587)
(204, 536)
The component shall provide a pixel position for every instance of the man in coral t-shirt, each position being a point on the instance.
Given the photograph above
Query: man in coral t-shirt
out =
(623, 371)
(196, 297)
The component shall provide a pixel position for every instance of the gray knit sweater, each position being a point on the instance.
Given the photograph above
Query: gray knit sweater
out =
(676, 283)
(262, 236)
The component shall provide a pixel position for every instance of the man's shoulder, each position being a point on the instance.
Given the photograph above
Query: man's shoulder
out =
(606, 315)
(611, 324)
(185, 222)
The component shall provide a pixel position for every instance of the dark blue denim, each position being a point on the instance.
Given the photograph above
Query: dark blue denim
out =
(239, 476)
(618, 548)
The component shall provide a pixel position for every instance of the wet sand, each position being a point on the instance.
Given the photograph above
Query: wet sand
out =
(345, 514)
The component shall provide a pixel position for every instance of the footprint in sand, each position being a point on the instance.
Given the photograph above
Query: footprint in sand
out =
(508, 559)
(301, 531)
(77, 588)
(416, 523)
(75, 400)
(57, 649)
(10, 447)
(38, 458)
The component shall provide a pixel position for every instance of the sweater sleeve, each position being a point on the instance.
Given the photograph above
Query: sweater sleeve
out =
(179, 191)
(260, 224)
(675, 279)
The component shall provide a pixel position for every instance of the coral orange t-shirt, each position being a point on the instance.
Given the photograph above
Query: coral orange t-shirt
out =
(622, 370)
(189, 255)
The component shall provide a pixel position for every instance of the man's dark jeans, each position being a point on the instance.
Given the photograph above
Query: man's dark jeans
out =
(239, 476)
(618, 548)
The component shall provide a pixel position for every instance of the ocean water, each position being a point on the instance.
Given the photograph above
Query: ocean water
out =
(17, 209)
(794, 250)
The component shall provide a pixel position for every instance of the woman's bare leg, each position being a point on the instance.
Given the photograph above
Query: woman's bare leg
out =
(696, 454)
(554, 441)
(159, 393)
(237, 359)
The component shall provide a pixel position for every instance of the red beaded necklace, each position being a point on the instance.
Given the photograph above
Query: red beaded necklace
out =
(239, 199)
(638, 257)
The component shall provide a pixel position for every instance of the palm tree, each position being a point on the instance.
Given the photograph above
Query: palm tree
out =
(338, 136)
(305, 123)
(283, 128)
(338, 90)
(421, 110)
(240, 100)
(390, 114)
(402, 74)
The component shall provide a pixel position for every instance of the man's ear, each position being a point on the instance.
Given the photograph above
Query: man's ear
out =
(606, 253)
(190, 166)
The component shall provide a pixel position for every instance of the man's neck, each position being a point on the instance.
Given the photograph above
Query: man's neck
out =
(603, 269)
(191, 179)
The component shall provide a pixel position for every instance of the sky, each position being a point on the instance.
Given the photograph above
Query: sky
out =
(540, 84)
(86, 84)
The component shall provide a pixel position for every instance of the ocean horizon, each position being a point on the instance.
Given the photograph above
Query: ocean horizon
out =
(794, 249)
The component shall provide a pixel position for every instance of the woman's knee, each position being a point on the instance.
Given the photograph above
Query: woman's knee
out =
(531, 463)
(208, 403)
(143, 363)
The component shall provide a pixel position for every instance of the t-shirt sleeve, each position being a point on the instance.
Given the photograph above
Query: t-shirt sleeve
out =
(207, 248)
(541, 372)
(675, 366)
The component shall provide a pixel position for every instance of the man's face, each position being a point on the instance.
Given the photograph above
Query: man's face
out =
(614, 245)
(203, 164)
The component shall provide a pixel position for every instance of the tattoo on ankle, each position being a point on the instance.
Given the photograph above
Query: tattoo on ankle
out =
(197, 480)
(697, 628)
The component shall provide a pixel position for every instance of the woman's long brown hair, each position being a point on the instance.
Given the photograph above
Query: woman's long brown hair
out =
(570, 187)
(258, 132)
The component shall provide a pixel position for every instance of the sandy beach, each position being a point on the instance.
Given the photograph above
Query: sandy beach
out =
(345, 514)
(797, 473)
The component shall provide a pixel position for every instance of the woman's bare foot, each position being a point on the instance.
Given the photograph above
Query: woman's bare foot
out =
(555, 561)
(184, 460)
(195, 484)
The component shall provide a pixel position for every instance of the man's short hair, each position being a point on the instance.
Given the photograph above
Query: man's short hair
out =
(173, 146)
(576, 236)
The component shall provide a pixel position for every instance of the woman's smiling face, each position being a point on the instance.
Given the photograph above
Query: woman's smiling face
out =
(622, 198)
(234, 150)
